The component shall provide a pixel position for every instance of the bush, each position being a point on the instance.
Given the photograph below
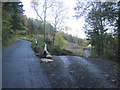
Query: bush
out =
(54, 49)
(8, 41)
(59, 40)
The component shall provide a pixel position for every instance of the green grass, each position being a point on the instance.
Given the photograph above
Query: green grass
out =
(52, 48)
(40, 43)
(8, 41)
(26, 37)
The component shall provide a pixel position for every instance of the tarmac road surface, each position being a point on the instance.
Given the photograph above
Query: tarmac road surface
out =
(21, 68)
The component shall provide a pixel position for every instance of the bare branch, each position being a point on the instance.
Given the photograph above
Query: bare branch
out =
(35, 4)
(58, 12)
(38, 14)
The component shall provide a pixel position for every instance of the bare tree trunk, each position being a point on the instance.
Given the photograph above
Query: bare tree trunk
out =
(45, 21)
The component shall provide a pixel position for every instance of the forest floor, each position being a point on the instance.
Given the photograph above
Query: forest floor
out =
(79, 72)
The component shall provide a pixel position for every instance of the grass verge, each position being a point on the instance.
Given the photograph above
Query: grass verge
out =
(8, 41)
(52, 48)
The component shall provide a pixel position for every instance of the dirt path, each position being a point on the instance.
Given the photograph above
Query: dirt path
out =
(77, 72)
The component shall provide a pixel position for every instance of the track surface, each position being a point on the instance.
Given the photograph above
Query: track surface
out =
(21, 68)
(78, 72)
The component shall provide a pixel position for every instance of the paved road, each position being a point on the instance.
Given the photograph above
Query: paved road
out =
(21, 68)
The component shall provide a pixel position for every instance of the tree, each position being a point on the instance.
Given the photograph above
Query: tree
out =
(59, 41)
(6, 20)
(30, 26)
(58, 13)
(16, 19)
(96, 22)
(101, 17)
(35, 26)
(82, 8)
(36, 4)
(67, 29)
(118, 31)
(11, 20)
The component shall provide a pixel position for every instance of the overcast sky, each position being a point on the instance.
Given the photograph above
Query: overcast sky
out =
(76, 25)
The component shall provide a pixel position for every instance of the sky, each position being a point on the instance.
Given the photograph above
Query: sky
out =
(75, 25)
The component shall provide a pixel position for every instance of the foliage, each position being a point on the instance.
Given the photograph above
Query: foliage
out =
(40, 42)
(100, 28)
(53, 49)
(118, 30)
(76, 40)
(15, 24)
(11, 21)
(59, 41)
(36, 27)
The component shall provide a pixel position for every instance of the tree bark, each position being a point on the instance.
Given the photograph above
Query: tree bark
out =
(102, 32)
(54, 35)
(119, 32)
(45, 7)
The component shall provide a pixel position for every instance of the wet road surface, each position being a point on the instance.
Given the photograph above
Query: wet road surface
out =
(21, 68)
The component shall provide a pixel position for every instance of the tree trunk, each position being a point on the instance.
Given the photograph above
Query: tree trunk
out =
(102, 32)
(119, 32)
(45, 20)
(98, 50)
(54, 35)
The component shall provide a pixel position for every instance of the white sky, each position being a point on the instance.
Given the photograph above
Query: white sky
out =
(76, 25)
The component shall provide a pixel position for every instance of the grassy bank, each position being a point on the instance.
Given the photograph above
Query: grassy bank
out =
(8, 41)
(54, 49)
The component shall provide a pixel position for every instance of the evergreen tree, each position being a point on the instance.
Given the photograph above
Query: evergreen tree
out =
(11, 20)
